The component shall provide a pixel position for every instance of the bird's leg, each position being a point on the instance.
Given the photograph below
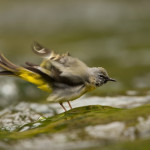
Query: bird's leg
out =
(62, 106)
(69, 104)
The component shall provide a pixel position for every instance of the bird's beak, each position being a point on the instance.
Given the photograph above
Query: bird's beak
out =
(110, 79)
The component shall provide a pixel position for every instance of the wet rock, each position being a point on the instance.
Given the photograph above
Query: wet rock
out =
(118, 101)
(81, 127)
(143, 127)
(109, 131)
(23, 113)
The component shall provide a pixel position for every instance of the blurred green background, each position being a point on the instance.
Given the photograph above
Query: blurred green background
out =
(114, 34)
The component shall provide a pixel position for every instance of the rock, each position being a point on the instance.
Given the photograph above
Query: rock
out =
(92, 126)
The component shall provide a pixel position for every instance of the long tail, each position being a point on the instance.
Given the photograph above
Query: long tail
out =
(8, 67)
(32, 76)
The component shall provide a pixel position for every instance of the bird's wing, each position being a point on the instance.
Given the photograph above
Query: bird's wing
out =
(63, 68)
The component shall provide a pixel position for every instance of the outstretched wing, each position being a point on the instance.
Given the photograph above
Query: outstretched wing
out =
(62, 68)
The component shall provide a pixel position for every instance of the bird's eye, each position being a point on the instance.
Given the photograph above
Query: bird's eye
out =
(101, 76)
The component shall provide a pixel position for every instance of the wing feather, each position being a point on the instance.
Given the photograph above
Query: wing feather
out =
(63, 68)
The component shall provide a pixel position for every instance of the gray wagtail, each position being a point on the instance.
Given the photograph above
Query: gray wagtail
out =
(64, 76)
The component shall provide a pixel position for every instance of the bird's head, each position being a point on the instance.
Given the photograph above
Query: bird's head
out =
(100, 76)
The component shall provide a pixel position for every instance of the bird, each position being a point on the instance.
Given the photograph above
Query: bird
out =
(65, 77)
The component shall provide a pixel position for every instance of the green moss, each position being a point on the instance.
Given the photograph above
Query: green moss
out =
(79, 118)
(143, 144)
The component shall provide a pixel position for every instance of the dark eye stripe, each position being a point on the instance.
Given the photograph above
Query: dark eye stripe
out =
(102, 76)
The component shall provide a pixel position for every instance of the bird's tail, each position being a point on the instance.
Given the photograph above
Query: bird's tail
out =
(8, 68)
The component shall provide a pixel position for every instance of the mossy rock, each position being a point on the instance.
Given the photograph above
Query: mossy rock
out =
(78, 118)
(143, 144)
